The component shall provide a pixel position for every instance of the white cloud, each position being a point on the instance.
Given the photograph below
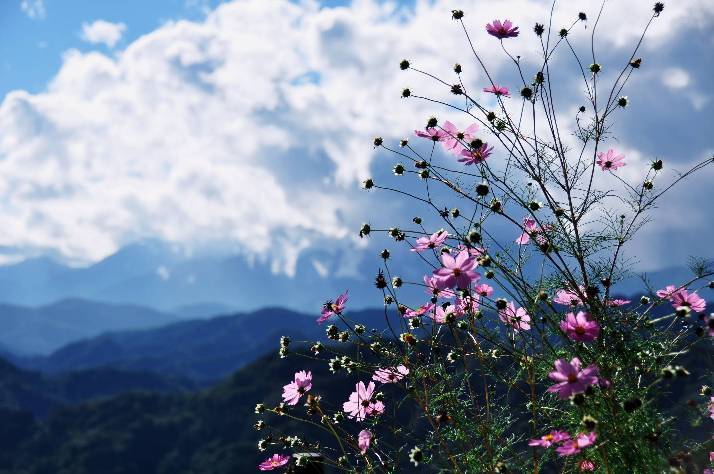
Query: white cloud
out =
(676, 78)
(34, 9)
(236, 129)
(103, 32)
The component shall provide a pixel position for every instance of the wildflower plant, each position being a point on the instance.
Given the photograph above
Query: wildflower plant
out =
(515, 355)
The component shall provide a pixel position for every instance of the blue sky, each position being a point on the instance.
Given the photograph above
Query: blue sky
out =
(248, 127)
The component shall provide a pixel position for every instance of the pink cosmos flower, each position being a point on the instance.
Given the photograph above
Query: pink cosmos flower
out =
(707, 471)
(432, 133)
(502, 30)
(667, 292)
(691, 300)
(455, 138)
(498, 90)
(711, 408)
(546, 441)
(436, 239)
(297, 388)
(330, 308)
(434, 287)
(570, 378)
(579, 327)
(575, 445)
(531, 229)
(440, 314)
(569, 297)
(518, 319)
(466, 304)
(456, 271)
(363, 440)
(473, 157)
(586, 465)
(609, 161)
(420, 311)
(360, 403)
(618, 302)
(274, 462)
(711, 456)
(482, 289)
(390, 374)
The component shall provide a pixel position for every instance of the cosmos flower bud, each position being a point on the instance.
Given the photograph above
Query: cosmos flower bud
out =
(658, 7)
(539, 29)
(456, 89)
(432, 122)
(384, 254)
(648, 185)
(463, 325)
(335, 365)
(482, 189)
(396, 282)
(283, 352)
(582, 16)
(476, 143)
(359, 328)
(452, 356)
(644, 300)
(284, 341)
(406, 92)
(394, 231)
(563, 32)
(474, 237)
(259, 425)
(414, 323)
(331, 331)
(589, 422)
(657, 165)
(259, 408)
(711, 284)
(595, 68)
(496, 205)
(317, 348)
(581, 108)
(379, 280)
(489, 274)
(408, 338)
(388, 300)
(484, 261)
(263, 444)
(501, 303)
(404, 142)
(534, 205)
(455, 212)
(404, 64)
(539, 77)
(424, 174)
(705, 391)
(417, 220)
(543, 295)
(457, 68)
(378, 141)
(368, 183)
(682, 311)
(421, 164)
(527, 93)
(365, 230)
(398, 169)
(457, 14)
(416, 456)
(622, 101)
(559, 212)
(491, 116)
(344, 336)
(578, 399)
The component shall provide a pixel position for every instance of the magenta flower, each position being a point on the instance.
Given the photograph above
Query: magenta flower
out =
(667, 292)
(575, 445)
(363, 440)
(579, 327)
(330, 308)
(568, 297)
(609, 161)
(711, 408)
(482, 289)
(691, 300)
(455, 138)
(473, 157)
(546, 441)
(466, 304)
(502, 30)
(618, 302)
(518, 319)
(360, 403)
(432, 133)
(456, 271)
(390, 374)
(586, 465)
(498, 90)
(420, 311)
(435, 288)
(436, 239)
(297, 388)
(570, 378)
(274, 462)
(531, 229)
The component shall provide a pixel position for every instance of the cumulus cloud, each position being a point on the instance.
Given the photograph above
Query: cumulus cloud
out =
(34, 9)
(251, 127)
(102, 32)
